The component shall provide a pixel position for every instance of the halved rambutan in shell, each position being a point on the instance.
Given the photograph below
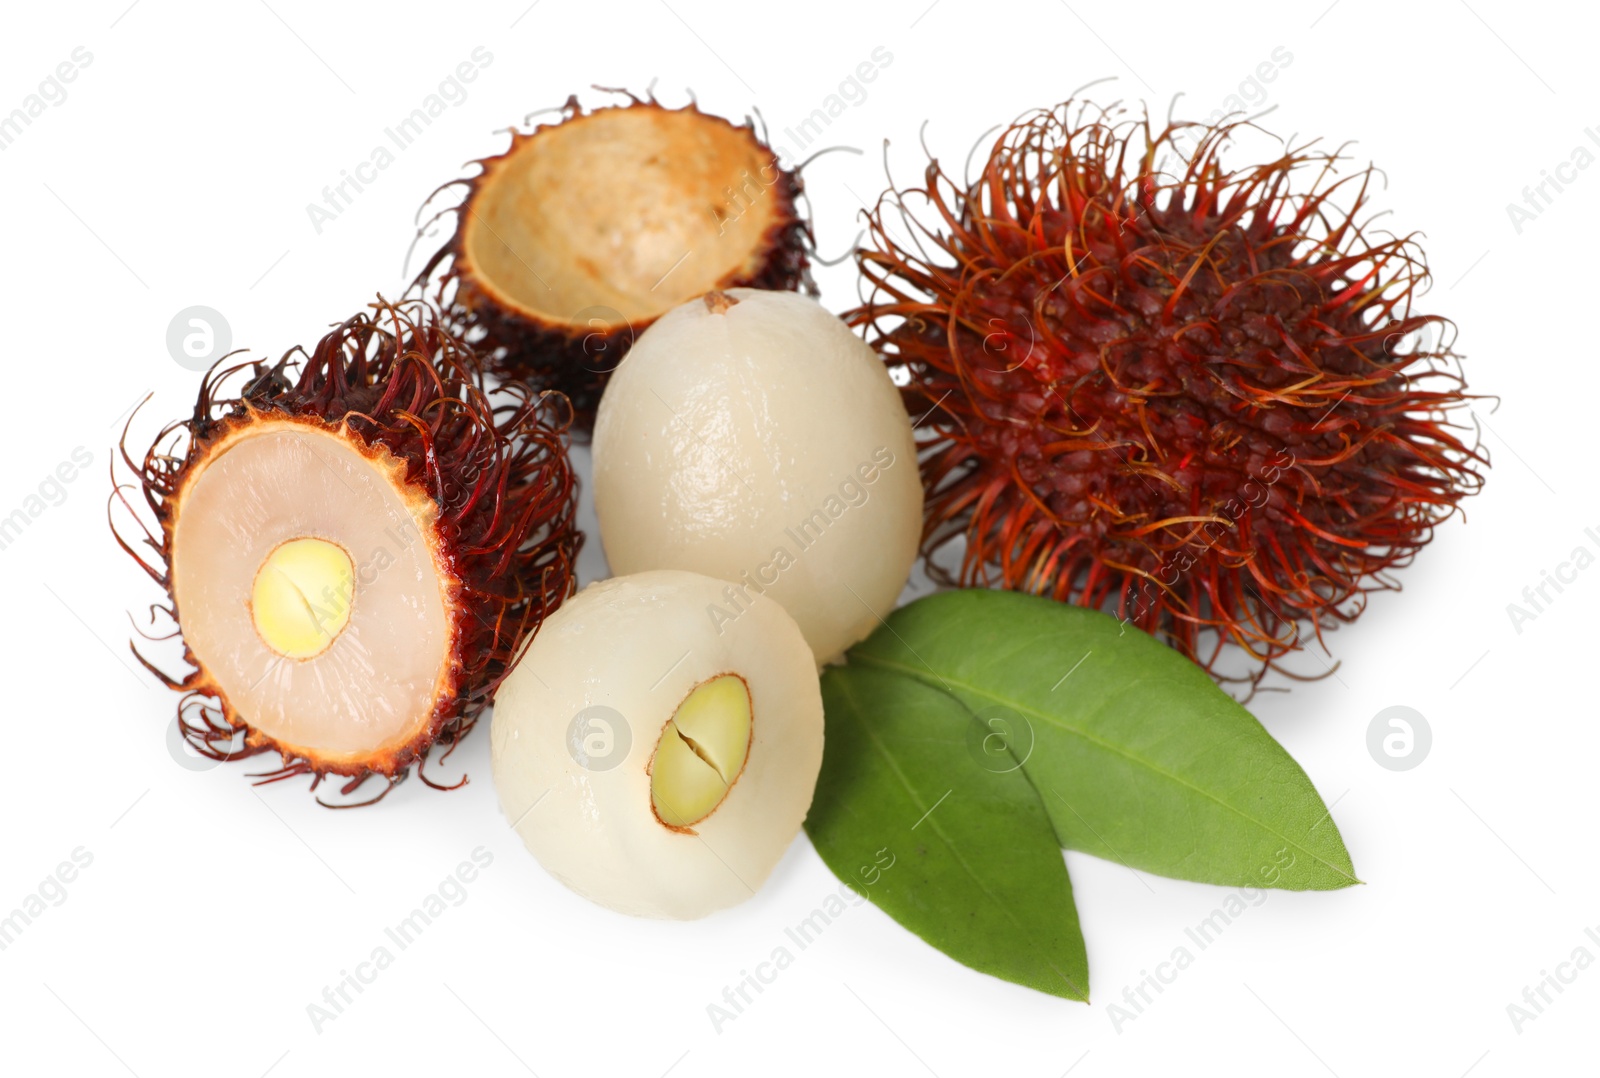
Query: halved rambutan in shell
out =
(1206, 399)
(354, 546)
(585, 231)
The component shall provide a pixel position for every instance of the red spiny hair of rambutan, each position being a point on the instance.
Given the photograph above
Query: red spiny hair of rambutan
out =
(493, 468)
(1198, 397)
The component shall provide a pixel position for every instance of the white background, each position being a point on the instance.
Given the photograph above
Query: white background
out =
(177, 172)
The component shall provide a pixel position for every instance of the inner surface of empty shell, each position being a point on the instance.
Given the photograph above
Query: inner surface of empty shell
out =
(624, 213)
(305, 575)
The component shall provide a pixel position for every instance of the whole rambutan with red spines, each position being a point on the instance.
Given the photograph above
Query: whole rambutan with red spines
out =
(1202, 398)
(354, 543)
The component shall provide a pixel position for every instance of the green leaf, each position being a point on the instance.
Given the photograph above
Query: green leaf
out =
(963, 856)
(1135, 752)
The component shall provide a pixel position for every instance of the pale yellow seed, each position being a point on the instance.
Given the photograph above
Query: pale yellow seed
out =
(302, 597)
(701, 752)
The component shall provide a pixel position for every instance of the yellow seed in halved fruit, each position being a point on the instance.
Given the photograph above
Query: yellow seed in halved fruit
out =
(302, 597)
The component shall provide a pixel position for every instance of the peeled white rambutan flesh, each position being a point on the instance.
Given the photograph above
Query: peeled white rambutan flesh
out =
(751, 436)
(654, 762)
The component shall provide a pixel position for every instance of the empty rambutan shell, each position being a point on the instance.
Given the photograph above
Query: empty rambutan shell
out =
(584, 231)
(1202, 398)
(353, 546)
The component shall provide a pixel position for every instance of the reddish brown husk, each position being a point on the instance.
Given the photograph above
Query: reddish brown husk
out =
(494, 478)
(1193, 398)
(577, 355)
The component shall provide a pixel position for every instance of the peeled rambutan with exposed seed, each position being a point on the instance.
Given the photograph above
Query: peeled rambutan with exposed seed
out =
(1193, 397)
(584, 231)
(353, 547)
